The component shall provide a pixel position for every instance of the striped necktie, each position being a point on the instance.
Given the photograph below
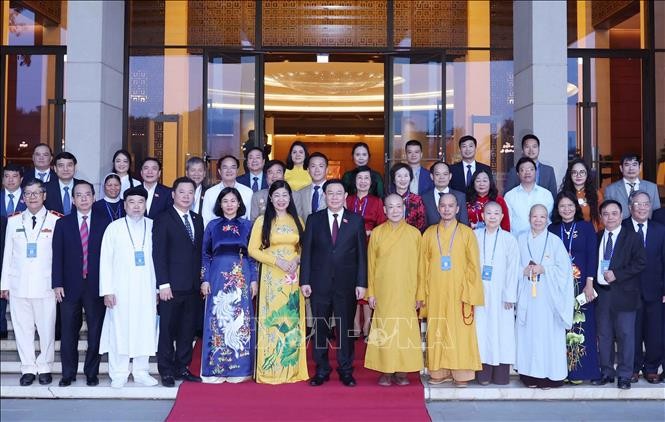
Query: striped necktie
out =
(84, 244)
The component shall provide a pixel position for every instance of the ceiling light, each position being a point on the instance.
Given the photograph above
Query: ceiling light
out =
(322, 58)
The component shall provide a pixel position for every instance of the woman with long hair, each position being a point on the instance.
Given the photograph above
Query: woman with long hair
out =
(361, 156)
(230, 282)
(296, 166)
(414, 207)
(122, 166)
(580, 181)
(111, 206)
(482, 190)
(276, 244)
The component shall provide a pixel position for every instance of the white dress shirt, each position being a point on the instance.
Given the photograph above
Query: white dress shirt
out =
(196, 205)
(151, 194)
(473, 167)
(519, 203)
(626, 185)
(331, 219)
(79, 215)
(437, 194)
(259, 179)
(644, 229)
(17, 198)
(70, 185)
(601, 251)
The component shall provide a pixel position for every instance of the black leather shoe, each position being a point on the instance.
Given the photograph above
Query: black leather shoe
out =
(168, 381)
(45, 379)
(4, 334)
(92, 381)
(66, 382)
(27, 379)
(624, 383)
(317, 380)
(348, 380)
(602, 381)
(635, 377)
(652, 378)
(187, 376)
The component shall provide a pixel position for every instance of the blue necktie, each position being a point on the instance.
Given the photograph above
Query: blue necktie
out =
(641, 233)
(188, 227)
(255, 184)
(468, 174)
(66, 201)
(10, 205)
(42, 176)
(315, 199)
(537, 173)
(609, 247)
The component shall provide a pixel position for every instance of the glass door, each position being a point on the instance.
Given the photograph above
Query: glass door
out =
(232, 107)
(415, 106)
(32, 100)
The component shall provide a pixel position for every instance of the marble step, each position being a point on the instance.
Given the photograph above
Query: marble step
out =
(10, 388)
(14, 367)
(10, 345)
(83, 333)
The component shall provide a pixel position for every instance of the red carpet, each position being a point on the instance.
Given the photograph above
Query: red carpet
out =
(249, 401)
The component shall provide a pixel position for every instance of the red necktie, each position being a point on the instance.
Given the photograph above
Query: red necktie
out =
(84, 244)
(335, 229)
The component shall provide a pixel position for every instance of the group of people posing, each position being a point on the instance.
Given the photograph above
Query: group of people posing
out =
(543, 279)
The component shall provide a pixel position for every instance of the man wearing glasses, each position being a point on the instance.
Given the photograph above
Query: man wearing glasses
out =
(26, 277)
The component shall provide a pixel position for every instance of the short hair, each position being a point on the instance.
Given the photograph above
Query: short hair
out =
(146, 159)
(397, 167)
(633, 195)
(226, 157)
(334, 182)
(530, 136)
(436, 163)
(524, 160)
(467, 138)
(42, 144)
(363, 145)
(556, 217)
(13, 167)
(36, 182)
(413, 143)
(135, 191)
(218, 202)
(181, 180)
(194, 160)
(289, 160)
(271, 163)
(609, 202)
(256, 148)
(85, 183)
(320, 155)
(629, 157)
(64, 155)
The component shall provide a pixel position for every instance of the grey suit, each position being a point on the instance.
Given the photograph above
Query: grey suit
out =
(259, 203)
(546, 177)
(432, 207)
(617, 191)
(303, 201)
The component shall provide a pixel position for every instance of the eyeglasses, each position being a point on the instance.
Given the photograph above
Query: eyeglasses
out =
(32, 194)
(641, 204)
(578, 173)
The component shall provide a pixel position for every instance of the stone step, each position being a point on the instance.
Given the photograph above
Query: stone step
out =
(10, 388)
(10, 345)
(84, 327)
(14, 367)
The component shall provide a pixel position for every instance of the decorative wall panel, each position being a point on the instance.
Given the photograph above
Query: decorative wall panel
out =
(146, 22)
(605, 14)
(221, 22)
(48, 9)
(431, 23)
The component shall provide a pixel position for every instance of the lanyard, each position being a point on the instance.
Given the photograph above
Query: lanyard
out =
(544, 247)
(494, 248)
(570, 239)
(113, 214)
(452, 238)
(38, 233)
(130, 234)
(363, 205)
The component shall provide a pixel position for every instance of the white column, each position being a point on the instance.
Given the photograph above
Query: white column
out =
(94, 85)
(540, 56)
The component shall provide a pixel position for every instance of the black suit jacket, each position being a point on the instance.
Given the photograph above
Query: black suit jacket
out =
(334, 270)
(19, 205)
(659, 215)
(161, 201)
(32, 174)
(246, 180)
(458, 181)
(432, 207)
(177, 260)
(627, 263)
(652, 280)
(67, 264)
(53, 200)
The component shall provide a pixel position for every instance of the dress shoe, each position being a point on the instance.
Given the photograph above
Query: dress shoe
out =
(635, 377)
(168, 381)
(145, 379)
(348, 380)
(66, 382)
(4, 334)
(27, 379)
(45, 379)
(602, 381)
(652, 378)
(400, 378)
(92, 381)
(187, 376)
(624, 383)
(317, 380)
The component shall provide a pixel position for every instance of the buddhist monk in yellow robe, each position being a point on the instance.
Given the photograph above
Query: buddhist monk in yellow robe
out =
(450, 286)
(394, 346)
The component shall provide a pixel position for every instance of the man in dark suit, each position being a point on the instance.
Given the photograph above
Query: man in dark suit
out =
(77, 243)
(621, 260)
(333, 274)
(159, 196)
(254, 178)
(421, 182)
(11, 194)
(462, 172)
(59, 190)
(659, 215)
(41, 160)
(544, 174)
(440, 174)
(3, 302)
(195, 169)
(177, 238)
(649, 318)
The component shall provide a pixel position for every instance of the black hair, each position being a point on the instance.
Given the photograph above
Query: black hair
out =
(256, 148)
(608, 202)
(219, 162)
(194, 160)
(13, 167)
(36, 182)
(393, 170)
(271, 213)
(524, 160)
(466, 138)
(358, 145)
(129, 170)
(289, 160)
(334, 182)
(590, 192)
(556, 217)
(436, 163)
(472, 195)
(530, 136)
(317, 154)
(146, 159)
(42, 144)
(629, 157)
(413, 143)
(83, 182)
(135, 191)
(271, 163)
(181, 180)
(356, 171)
(64, 155)
(218, 202)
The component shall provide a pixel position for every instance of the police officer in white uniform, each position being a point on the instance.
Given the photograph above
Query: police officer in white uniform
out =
(26, 277)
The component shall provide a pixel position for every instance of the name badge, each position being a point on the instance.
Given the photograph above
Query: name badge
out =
(31, 250)
(139, 258)
(604, 265)
(487, 272)
(20, 230)
(480, 225)
(446, 264)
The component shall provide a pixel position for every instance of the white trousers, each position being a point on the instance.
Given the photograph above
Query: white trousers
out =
(26, 315)
(119, 366)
